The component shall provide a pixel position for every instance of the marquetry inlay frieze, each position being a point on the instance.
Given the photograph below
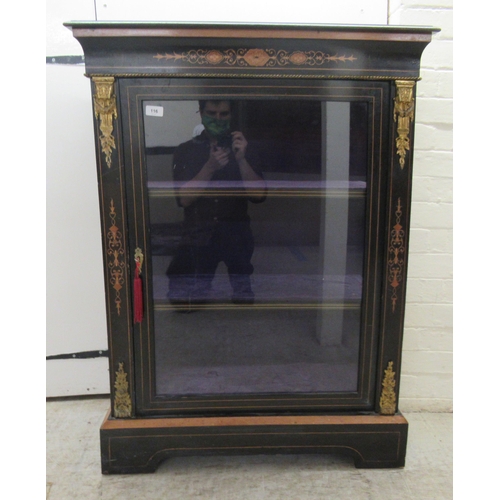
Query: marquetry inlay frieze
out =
(255, 57)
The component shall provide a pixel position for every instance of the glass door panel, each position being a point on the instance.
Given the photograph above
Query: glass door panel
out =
(257, 279)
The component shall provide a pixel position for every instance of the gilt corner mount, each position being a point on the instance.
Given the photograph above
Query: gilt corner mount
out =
(105, 111)
(404, 113)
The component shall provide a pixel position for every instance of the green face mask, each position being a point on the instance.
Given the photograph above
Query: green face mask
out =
(216, 128)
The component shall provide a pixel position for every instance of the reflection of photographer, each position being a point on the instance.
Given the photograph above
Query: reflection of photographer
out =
(216, 226)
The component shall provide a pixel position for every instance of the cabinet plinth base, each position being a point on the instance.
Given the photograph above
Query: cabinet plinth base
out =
(140, 445)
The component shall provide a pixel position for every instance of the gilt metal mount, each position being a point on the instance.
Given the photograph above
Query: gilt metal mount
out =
(404, 113)
(105, 112)
(388, 396)
(123, 402)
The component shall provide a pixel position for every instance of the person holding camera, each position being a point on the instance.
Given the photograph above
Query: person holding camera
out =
(216, 174)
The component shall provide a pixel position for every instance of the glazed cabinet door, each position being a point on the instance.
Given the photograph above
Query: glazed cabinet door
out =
(259, 289)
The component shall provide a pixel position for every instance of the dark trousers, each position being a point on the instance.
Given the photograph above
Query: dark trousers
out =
(193, 267)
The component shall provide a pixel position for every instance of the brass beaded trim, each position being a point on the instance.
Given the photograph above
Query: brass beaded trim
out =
(252, 75)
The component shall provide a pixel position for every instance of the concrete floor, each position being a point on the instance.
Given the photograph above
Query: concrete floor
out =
(73, 467)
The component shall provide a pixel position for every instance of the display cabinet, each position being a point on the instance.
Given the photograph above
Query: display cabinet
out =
(254, 186)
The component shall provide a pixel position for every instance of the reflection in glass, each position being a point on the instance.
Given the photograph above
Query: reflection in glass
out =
(257, 212)
(215, 176)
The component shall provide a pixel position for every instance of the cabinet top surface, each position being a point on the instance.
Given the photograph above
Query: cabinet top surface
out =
(112, 28)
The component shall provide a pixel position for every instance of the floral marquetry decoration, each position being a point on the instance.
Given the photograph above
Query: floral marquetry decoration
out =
(115, 252)
(396, 256)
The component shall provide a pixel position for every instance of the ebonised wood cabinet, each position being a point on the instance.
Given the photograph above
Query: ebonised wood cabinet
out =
(255, 299)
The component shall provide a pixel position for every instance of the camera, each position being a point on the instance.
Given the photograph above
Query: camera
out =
(226, 141)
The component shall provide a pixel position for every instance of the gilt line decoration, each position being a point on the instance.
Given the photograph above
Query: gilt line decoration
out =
(404, 112)
(115, 252)
(123, 402)
(105, 112)
(388, 396)
(254, 57)
(396, 255)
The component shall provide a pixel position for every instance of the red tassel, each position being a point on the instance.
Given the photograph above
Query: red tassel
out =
(138, 302)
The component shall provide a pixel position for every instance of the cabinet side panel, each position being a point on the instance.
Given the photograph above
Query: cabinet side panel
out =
(114, 237)
(397, 236)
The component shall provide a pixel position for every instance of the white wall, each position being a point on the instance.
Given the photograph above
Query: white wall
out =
(76, 320)
(75, 297)
(427, 365)
(255, 11)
